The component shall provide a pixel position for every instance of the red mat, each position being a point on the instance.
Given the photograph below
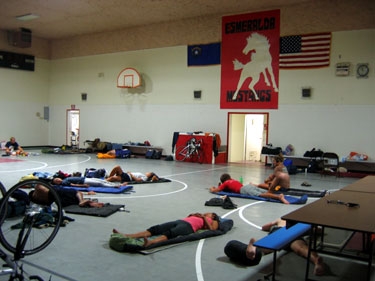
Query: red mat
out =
(7, 160)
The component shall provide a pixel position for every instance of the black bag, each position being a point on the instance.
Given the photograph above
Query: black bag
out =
(15, 208)
(313, 166)
(215, 202)
(269, 150)
(157, 155)
(169, 158)
(228, 203)
(95, 173)
(313, 153)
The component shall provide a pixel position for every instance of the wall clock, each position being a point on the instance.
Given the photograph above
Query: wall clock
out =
(362, 70)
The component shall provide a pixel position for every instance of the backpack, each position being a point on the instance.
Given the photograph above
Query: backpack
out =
(150, 153)
(225, 203)
(228, 203)
(157, 155)
(313, 166)
(123, 153)
(95, 173)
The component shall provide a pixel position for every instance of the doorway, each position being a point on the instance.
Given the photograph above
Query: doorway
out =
(72, 128)
(247, 134)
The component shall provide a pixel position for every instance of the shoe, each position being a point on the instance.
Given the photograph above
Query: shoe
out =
(305, 183)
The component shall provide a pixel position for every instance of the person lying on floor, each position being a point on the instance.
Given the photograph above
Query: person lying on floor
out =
(41, 195)
(279, 179)
(118, 175)
(113, 153)
(248, 254)
(168, 230)
(231, 185)
(84, 182)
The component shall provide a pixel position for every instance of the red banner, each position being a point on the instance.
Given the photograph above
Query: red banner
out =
(250, 61)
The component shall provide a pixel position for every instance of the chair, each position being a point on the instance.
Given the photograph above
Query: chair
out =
(330, 163)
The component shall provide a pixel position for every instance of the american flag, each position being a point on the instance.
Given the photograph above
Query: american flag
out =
(305, 51)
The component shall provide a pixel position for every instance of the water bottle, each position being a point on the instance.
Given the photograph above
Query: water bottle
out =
(241, 179)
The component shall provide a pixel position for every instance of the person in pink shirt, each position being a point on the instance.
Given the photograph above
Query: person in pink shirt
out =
(231, 185)
(191, 224)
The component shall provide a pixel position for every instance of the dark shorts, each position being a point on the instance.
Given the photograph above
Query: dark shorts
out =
(67, 196)
(125, 177)
(172, 229)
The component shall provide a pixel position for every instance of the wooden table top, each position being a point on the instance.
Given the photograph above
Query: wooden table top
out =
(366, 184)
(339, 216)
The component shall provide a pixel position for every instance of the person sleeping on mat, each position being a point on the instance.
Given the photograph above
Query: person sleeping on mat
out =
(118, 175)
(231, 185)
(41, 195)
(168, 230)
(84, 182)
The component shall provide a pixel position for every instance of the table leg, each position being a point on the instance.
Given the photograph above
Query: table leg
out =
(370, 248)
(312, 231)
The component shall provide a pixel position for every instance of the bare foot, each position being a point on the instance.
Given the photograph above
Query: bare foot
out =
(116, 231)
(89, 203)
(84, 203)
(282, 199)
(96, 204)
(251, 249)
(319, 267)
(146, 242)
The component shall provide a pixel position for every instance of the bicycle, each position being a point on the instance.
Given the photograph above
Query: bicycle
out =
(38, 225)
(192, 151)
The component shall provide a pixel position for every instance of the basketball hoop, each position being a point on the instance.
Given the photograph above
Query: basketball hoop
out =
(128, 78)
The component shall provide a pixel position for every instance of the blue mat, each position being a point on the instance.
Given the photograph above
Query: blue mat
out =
(290, 199)
(97, 189)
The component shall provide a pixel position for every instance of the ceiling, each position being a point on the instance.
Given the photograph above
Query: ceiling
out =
(67, 18)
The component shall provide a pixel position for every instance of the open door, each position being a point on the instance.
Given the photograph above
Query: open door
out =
(247, 134)
(72, 128)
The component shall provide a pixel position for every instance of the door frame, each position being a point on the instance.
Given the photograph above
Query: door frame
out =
(236, 146)
(69, 113)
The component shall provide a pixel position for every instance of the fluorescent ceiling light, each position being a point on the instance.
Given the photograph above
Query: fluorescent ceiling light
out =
(27, 17)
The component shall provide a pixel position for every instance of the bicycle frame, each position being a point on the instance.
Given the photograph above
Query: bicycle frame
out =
(191, 152)
(19, 244)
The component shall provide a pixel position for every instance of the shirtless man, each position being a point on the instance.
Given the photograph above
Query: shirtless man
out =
(279, 180)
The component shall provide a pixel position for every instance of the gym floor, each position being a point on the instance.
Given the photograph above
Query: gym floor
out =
(80, 251)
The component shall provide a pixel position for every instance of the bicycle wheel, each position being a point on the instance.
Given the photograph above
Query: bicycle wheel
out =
(182, 152)
(2, 194)
(28, 226)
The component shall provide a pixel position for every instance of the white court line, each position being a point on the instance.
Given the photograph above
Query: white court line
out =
(198, 253)
(45, 165)
(195, 172)
(185, 186)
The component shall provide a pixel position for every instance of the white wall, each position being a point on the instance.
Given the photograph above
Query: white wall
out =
(339, 116)
(23, 95)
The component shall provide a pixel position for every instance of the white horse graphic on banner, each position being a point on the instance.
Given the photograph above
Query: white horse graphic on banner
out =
(258, 47)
